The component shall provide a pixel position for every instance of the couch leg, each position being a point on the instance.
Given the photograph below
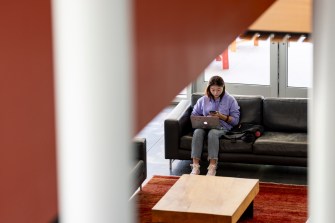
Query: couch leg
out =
(171, 160)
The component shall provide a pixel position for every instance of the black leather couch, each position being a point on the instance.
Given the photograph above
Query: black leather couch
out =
(139, 171)
(284, 141)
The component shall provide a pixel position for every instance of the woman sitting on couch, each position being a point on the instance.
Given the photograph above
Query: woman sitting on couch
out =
(226, 109)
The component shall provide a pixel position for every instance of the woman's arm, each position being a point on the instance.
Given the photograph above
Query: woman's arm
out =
(223, 117)
(234, 113)
(198, 107)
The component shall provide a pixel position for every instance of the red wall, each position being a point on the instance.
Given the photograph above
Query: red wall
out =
(27, 130)
(174, 41)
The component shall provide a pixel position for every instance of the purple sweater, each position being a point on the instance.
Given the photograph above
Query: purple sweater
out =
(227, 106)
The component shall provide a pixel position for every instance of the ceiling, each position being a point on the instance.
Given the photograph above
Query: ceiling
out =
(284, 19)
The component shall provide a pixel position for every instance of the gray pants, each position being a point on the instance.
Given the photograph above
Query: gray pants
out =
(213, 143)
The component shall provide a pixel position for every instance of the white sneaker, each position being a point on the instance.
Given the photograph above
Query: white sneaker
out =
(195, 169)
(211, 170)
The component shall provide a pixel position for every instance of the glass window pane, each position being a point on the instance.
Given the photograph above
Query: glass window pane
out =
(247, 62)
(300, 64)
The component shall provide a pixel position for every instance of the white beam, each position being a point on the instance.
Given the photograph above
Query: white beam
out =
(321, 116)
(94, 109)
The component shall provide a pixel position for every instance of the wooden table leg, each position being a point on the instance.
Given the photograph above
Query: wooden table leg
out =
(249, 212)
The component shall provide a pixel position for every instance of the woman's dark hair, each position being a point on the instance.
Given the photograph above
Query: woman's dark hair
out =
(218, 81)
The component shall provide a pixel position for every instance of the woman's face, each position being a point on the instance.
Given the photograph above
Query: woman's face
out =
(216, 91)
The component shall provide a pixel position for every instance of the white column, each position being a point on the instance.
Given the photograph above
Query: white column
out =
(94, 109)
(322, 116)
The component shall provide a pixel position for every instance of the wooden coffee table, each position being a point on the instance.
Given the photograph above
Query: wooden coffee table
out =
(195, 198)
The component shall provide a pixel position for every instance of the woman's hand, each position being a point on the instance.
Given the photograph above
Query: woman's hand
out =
(218, 114)
(221, 116)
(213, 113)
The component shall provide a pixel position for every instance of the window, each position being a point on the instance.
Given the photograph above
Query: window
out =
(245, 62)
(300, 64)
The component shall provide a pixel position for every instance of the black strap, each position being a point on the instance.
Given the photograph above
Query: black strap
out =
(247, 127)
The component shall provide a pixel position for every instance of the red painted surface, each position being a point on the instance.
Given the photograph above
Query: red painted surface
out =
(28, 190)
(175, 40)
(225, 60)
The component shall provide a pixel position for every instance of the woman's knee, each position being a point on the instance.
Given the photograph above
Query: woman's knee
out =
(213, 133)
(199, 132)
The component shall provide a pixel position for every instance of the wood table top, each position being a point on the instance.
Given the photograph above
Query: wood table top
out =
(204, 197)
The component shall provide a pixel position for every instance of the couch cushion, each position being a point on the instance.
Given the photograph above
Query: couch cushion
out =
(186, 141)
(195, 97)
(250, 108)
(285, 114)
(281, 144)
(225, 145)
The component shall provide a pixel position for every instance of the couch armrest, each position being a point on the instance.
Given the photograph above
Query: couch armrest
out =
(140, 151)
(176, 125)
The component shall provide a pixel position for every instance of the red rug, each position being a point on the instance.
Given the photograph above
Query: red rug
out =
(274, 202)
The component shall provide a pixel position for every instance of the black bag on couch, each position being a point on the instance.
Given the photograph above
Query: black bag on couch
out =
(246, 132)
